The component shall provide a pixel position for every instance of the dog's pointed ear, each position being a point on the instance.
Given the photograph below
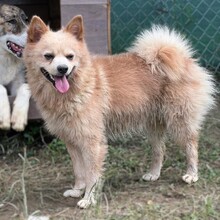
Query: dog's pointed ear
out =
(36, 29)
(75, 27)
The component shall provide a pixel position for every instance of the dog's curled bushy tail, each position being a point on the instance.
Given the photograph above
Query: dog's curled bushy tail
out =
(165, 50)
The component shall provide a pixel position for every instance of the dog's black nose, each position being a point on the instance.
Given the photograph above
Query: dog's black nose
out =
(62, 69)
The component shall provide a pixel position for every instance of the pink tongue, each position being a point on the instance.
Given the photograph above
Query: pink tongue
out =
(61, 84)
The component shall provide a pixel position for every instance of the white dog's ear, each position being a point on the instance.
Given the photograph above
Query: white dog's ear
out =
(36, 29)
(75, 27)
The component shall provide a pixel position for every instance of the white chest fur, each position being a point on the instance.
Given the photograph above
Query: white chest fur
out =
(9, 66)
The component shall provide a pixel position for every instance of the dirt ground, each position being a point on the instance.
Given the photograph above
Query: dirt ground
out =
(35, 170)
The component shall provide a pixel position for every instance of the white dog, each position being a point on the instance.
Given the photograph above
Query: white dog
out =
(13, 25)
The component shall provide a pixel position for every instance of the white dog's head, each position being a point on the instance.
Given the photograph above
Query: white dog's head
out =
(13, 26)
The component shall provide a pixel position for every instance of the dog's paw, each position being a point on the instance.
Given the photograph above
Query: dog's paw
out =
(5, 110)
(85, 203)
(19, 120)
(5, 125)
(73, 193)
(150, 177)
(190, 178)
(5, 120)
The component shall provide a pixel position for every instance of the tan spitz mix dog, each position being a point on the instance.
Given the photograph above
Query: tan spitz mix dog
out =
(156, 88)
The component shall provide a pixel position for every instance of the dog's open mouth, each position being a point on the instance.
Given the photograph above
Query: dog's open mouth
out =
(15, 48)
(59, 82)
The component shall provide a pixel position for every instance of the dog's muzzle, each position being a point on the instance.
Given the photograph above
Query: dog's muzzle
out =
(16, 49)
(60, 81)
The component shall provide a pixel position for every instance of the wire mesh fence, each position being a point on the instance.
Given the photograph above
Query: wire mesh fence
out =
(198, 20)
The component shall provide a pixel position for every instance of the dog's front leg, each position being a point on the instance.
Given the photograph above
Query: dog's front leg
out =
(79, 172)
(4, 109)
(21, 106)
(93, 156)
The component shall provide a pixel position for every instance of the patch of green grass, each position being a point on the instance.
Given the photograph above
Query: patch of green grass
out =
(125, 196)
(204, 210)
(123, 165)
(56, 151)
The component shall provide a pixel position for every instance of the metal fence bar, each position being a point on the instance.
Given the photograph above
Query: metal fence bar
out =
(198, 20)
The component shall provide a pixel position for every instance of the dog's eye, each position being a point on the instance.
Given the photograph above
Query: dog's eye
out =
(24, 18)
(12, 21)
(70, 57)
(49, 56)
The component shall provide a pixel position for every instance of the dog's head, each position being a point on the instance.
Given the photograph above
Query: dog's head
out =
(55, 56)
(13, 25)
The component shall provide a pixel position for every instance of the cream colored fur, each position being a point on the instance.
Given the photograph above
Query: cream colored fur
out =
(156, 88)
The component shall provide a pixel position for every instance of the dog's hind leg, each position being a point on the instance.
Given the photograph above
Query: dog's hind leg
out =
(4, 109)
(186, 135)
(20, 109)
(191, 147)
(79, 172)
(158, 148)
